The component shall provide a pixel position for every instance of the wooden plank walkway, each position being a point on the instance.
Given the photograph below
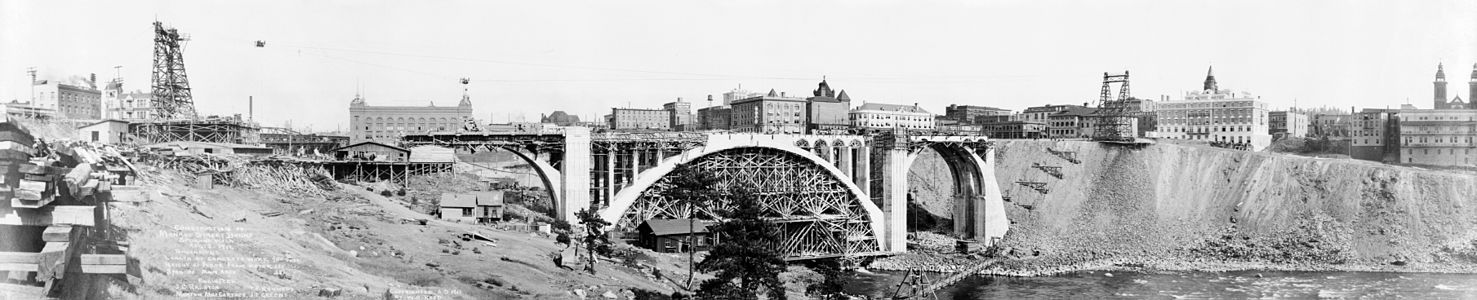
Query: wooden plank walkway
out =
(956, 277)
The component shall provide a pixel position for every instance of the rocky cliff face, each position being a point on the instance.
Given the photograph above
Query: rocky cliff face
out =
(1207, 204)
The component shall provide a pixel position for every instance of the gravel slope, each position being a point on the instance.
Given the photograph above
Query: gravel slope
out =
(1171, 206)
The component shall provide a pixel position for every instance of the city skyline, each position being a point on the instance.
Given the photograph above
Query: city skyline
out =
(319, 54)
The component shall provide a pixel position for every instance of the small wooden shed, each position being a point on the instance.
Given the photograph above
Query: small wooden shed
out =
(670, 235)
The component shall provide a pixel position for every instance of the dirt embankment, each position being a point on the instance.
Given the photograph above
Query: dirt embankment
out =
(350, 241)
(1185, 207)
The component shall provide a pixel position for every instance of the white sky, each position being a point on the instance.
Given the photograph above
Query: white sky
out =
(531, 57)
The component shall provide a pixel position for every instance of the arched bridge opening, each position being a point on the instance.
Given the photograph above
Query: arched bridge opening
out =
(817, 213)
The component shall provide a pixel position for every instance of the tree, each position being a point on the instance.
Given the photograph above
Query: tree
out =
(695, 188)
(833, 282)
(595, 238)
(748, 259)
(561, 232)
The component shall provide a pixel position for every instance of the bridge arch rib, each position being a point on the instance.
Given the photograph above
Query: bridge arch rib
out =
(979, 213)
(828, 216)
(547, 173)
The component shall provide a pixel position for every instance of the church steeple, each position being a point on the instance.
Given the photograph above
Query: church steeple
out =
(1210, 85)
(1472, 88)
(1440, 86)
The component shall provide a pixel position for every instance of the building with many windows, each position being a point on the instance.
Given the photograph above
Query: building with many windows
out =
(1042, 113)
(714, 118)
(130, 106)
(1002, 127)
(950, 126)
(679, 117)
(1286, 124)
(76, 98)
(386, 124)
(890, 116)
(972, 114)
(772, 113)
(1075, 122)
(640, 119)
(1374, 134)
(1444, 137)
(1216, 115)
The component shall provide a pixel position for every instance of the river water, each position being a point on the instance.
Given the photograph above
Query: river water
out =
(1192, 285)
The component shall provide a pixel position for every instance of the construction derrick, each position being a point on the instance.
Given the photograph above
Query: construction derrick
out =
(1114, 122)
(172, 100)
(174, 117)
(1038, 186)
(1053, 171)
(1070, 156)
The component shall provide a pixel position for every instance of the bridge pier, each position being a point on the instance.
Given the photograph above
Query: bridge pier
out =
(895, 191)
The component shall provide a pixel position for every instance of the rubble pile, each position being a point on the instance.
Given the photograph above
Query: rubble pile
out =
(236, 171)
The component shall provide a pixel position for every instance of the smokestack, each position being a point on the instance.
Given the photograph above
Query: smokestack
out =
(782, 94)
(250, 108)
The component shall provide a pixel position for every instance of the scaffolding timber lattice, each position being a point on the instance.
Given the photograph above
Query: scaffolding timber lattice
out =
(224, 131)
(397, 173)
(816, 214)
(1114, 122)
(171, 90)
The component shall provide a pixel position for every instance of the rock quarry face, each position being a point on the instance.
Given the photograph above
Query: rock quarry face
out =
(1194, 202)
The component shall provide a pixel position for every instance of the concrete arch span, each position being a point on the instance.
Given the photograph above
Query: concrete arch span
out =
(979, 210)
(546, 172)
(628, 197)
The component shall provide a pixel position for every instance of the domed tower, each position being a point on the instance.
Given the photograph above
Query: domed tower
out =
(1440, 85)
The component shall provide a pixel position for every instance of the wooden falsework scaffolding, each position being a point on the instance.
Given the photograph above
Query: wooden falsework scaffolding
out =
(398, 173)
(816, 215)
(210, 131)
